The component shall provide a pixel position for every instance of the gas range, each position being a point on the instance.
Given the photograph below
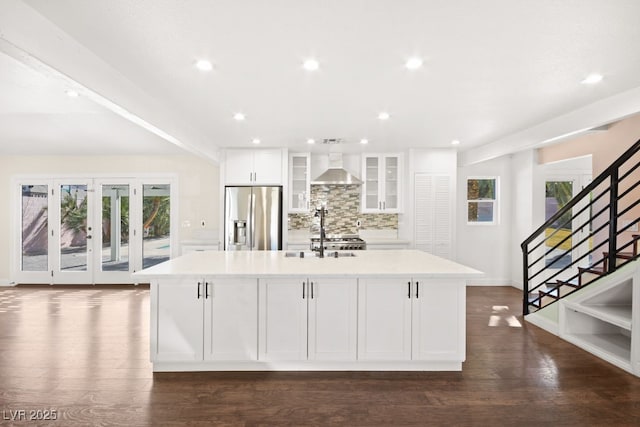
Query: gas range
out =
(339, 242)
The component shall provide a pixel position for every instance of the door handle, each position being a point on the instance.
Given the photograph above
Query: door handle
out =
(303, 286)
(311, 290)
(409, 290)
(206, 290)
(89, 236)
(417, 290)
(199, 289)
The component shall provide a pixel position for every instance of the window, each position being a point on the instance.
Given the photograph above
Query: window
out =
(482, 198)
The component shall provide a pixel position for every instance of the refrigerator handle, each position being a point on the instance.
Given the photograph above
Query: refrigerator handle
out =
(252, 222)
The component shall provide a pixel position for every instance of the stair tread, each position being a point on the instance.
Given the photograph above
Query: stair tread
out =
(573, 283)
(595, 270)
(627, 255)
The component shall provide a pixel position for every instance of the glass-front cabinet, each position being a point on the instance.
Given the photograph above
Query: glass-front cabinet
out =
(382, 183)
(299, 182)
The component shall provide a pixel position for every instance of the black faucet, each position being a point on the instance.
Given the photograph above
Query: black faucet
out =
(321, 213)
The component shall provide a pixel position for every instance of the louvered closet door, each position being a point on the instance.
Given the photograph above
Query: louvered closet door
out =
(433, 214)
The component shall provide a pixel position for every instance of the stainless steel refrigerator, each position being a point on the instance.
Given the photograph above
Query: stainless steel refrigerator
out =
(253, 218)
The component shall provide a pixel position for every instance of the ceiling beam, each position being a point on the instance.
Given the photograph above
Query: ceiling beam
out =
(31, 39)
(589, 118)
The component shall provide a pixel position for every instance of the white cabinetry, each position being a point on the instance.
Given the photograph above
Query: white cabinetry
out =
(231, 319)
(197, 319)
(382, 183)
(177, 321)
(304, 319)
(253, 167)
(411, 319)
(299, 182)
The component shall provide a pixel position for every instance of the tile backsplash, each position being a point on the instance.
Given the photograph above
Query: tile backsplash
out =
(343, 204)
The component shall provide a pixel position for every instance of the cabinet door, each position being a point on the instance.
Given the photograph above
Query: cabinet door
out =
(239, 167)
(439, 320)
(299, 182)
(177, 323)
(384, 319)
(333, 319)
(267, 167)
(282, 324)
(371, 184)
(231, 319)
(392, 193)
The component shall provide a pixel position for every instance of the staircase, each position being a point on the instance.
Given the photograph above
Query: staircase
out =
(560, 258)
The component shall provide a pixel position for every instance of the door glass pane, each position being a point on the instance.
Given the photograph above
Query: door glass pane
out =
(371, 197)
(557, 194)
(73, 227)
(115, 228)
(35, 224)
(156, 246)
(391, 182)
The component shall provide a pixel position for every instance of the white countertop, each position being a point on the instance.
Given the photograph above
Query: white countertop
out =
(402, 262)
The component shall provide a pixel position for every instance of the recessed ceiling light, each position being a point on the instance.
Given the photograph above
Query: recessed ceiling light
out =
(364, 141)
(204, 65)
(592, 79)
(413, 63)
(384, 115)
(72, 93)
(256, 141)
(311, 64)
(239, 117)
(455, 142)
(311, 141)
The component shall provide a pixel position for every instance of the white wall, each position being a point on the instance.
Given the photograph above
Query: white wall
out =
(527, 206)
(487, 248)
(198, 182)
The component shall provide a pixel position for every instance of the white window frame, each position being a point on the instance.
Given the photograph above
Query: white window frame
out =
(495, 201)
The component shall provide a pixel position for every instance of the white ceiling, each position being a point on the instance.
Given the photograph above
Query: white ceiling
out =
(491, 69)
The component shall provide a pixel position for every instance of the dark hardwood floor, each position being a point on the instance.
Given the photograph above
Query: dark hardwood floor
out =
(84, 352)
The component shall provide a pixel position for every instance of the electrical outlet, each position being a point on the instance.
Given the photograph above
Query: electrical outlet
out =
(358, 223)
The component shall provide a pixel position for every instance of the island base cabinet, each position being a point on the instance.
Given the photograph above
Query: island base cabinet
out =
(196, 320)
(231, 319)
(282, 326)
(333, 319)
(177, 320)
(384, 319)
(308, 319)
(411, 319)
(438, 326)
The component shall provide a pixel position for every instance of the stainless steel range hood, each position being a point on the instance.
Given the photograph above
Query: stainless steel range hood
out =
(336, 174)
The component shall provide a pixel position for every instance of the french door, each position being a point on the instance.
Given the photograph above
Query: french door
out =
(91, 230)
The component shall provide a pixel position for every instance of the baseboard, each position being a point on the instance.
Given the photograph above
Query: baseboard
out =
(6, 282)
(489, 282)
(543, 323)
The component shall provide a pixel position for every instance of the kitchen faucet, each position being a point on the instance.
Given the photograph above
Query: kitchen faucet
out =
(321, 212)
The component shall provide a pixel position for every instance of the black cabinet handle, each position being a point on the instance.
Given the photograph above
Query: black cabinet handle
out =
(199, 289)
(206, 290)
(409, 290)
(303, 286)
(417, 289)
(311, 290)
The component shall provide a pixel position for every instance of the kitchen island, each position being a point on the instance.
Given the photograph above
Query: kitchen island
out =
(264, 310)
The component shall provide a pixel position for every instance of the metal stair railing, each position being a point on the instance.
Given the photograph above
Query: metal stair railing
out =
(618, 182)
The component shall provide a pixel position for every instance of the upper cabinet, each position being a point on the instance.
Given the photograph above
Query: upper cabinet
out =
(254, 167)
(382, 183)
(299, 182)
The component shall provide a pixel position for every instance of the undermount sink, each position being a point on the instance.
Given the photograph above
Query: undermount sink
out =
(327, 254)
